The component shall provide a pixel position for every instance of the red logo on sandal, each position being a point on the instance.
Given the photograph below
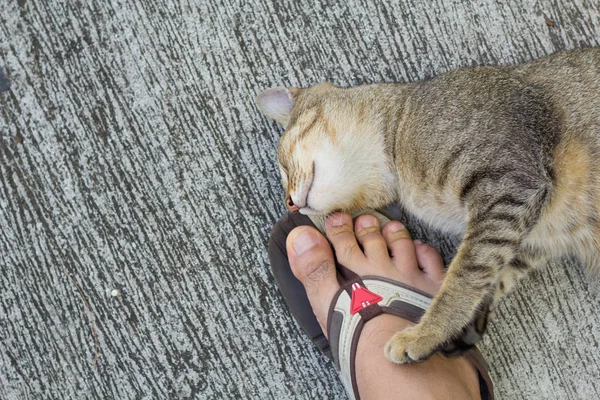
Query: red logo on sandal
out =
(362, 298)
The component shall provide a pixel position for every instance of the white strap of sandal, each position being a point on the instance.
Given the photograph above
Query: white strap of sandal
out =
(396, 298)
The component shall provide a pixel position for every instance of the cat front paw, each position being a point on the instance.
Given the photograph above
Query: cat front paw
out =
(411, 345)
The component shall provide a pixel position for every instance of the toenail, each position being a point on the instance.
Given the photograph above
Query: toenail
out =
(367, 221)
(417, 241)
(396, 227)
(338, 220)
(304, 241)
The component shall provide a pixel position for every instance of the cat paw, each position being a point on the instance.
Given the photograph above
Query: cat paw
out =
(411, 346)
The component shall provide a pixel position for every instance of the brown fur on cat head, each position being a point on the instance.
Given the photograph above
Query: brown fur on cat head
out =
(332, 155)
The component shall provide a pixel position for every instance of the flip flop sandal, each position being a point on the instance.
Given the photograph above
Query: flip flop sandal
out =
(357, 301)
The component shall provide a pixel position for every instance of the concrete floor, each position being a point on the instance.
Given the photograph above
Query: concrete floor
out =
(133, 161)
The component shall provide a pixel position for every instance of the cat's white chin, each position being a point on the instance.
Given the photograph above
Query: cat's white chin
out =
(310, 211)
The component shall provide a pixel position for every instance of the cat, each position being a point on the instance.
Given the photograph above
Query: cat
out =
(505, 156)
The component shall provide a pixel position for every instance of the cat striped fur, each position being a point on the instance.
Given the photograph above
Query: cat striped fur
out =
(505, 156)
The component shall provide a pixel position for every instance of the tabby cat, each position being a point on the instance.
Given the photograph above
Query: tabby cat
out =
(505, 156)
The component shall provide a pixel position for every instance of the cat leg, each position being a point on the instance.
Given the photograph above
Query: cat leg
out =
(469, 285)
(495, 232)
(510, 275)
(527, 260)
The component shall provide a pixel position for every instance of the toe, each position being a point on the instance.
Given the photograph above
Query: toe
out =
(400, 245)
(430, 260)
(340, 232)
(311, 261)
(368, 234)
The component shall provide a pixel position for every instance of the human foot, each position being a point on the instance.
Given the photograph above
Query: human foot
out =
(390, 253)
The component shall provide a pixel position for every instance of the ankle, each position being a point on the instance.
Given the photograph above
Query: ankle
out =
(436, 378)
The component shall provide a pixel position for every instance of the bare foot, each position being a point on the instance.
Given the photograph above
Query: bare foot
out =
(389, 253)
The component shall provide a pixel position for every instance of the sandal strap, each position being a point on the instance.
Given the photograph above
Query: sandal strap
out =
(344, 326)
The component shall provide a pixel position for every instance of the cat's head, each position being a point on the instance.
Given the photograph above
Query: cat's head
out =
(332, 154)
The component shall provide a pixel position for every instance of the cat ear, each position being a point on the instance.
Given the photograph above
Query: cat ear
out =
(277, 103)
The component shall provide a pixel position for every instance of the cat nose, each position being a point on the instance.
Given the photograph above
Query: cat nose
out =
(290, 204)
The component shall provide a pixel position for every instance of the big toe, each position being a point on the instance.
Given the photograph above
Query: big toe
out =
(311, 261)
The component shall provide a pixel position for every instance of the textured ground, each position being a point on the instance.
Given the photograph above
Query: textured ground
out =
(133, 158)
